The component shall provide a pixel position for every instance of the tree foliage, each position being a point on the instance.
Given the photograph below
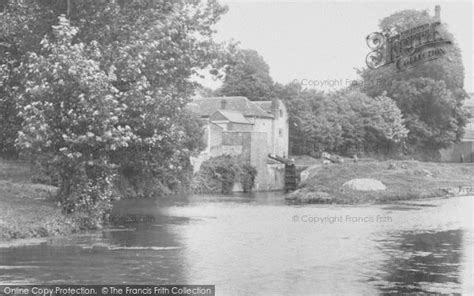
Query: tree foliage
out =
(435, 118)
(70, 120)
(219, 175)
(420, 91)
(300, 104)
(247, 75)
(103, 90)
(344, 122)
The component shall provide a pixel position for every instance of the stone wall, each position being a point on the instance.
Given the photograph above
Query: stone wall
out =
(253, 143)
(281, 130)
(233, 126)
(215, 138)
(269, 176)
(265, 125)
(237, 142)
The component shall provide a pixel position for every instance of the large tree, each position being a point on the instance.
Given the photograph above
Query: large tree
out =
(435, 117)
(117, 75)
(247, 75)
(301, 105)
(425, 91)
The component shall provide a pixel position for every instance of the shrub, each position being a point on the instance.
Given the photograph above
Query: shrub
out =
(247, 177)
(220, 173)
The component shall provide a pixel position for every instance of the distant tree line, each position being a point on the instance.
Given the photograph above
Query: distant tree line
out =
(392, 113)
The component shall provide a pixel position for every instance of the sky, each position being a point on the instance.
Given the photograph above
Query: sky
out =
(321, 43)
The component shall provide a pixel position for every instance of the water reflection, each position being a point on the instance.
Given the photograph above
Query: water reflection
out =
(135, 253)
(252, 245)
(423, 262)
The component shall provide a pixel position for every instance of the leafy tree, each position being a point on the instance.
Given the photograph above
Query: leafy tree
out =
(9, 120)
(436, 118)
(447, 72)
(152, 49)
(300, 104)
(344, 122)
(21, 32)
(249, 76)
(448, 68)
(365, 124)
(70, 121)
(104, 91)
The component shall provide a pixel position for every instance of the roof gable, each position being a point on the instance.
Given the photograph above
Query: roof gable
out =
(206, 107)
(232, 116)
(265, 105)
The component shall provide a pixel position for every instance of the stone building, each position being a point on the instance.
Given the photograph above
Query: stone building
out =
(252, 129)
(464, 149)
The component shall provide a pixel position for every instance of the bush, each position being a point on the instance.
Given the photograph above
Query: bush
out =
(247, 177)
(157, 161)
(220, 173)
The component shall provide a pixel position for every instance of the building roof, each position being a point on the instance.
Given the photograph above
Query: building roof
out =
(207, 106)
(265, 105)
(232, 116)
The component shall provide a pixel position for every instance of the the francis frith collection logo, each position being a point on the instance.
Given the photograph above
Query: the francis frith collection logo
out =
(408, 48)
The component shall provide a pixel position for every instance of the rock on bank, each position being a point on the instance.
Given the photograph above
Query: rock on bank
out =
(380, 181)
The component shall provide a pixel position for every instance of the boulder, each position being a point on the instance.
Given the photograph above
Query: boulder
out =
(365, 185)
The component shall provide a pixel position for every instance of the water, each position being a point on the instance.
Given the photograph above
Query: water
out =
(259, 245)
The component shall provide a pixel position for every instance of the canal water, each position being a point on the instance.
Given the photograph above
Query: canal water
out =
(260, 245)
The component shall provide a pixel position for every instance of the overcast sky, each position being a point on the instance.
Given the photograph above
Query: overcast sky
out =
(323, 41)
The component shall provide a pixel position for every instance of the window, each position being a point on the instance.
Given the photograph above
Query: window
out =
(281, 113)
(280, 132)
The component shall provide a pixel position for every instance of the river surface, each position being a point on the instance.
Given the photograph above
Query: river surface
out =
(260, 245)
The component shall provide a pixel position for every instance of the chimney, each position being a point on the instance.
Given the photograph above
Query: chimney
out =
(223, 104)
(275, 107)
(438, 12)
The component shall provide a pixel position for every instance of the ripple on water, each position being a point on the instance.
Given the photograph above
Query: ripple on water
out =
(245, 242)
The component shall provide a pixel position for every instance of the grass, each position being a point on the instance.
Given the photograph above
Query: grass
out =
(404, 180)
(27, 210)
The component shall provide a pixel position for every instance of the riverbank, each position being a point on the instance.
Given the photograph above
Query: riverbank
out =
(27, 210)
(404, 180)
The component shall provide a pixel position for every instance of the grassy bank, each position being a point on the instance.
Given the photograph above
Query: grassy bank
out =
(404, 180)
(27, 209)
